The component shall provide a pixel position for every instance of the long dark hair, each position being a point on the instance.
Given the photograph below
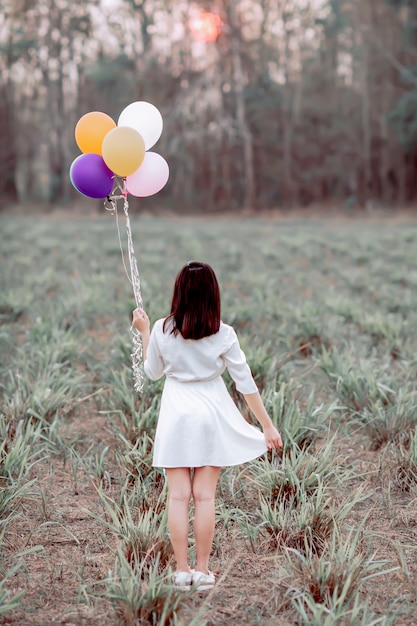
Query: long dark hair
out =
(195, 307)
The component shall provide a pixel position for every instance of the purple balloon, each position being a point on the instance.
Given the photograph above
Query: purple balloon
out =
(90, 176)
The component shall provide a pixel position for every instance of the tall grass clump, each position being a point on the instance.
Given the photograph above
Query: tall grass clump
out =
(140, 533)
(404, 466)
(134, 413)
(386, 331)
(298, 425)
(390, 422)
(328, 586)
(297, 504)
(140, 594)
(357, 384)
(19, 449)
(20, 444)
(303, 522)
(14, 302)
(309, 330)
(7, 601)
(42, 378)
(299, 470)
(41, 390)
(136, 458)
(119, 397)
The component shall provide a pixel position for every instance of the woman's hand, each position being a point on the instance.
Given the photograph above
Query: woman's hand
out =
(272, 438)
(256, 405)
(140, 321)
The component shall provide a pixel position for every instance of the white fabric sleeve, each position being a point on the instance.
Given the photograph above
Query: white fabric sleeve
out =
(236, 364)
(154, 363)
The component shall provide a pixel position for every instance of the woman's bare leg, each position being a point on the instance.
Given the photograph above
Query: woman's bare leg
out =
(179, 494)
(204, 491)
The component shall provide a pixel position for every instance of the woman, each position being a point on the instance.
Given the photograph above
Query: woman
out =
(200, 429)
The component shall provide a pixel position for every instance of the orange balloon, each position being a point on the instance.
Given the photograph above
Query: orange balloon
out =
(91, 130)
(123, 150)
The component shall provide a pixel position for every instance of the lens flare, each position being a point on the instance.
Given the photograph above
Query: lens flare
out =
(206, 27)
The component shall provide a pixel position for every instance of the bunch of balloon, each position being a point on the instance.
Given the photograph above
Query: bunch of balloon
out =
(111, 150)
(116, 161)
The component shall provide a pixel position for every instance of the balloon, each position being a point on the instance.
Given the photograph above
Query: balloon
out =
(150, 177)
(91, 176)
(145, 118)
(91, 129)
(123, 150)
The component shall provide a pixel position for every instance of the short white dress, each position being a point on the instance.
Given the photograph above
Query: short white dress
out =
(199, 424)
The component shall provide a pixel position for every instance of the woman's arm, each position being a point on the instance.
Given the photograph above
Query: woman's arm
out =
(272, 436)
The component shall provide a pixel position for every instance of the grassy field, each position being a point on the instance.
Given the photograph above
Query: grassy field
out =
(326, 311)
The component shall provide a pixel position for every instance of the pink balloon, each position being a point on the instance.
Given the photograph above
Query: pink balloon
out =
(150, 177)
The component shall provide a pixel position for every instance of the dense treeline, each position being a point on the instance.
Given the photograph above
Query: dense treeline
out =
(291, 103)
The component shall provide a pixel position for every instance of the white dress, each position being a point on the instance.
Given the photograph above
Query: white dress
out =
(199, 424)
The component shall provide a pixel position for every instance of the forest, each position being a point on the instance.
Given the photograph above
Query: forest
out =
(266, 105)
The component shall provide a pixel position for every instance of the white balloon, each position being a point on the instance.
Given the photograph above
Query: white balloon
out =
(150, 177)
(145, 118)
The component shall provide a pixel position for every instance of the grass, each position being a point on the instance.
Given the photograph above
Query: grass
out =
(328, 586)
(404, 467)
(153, 601)
(141, 532)
(7, 602)
(325, 312)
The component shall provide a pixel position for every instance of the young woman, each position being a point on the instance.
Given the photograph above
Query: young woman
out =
(200, 428)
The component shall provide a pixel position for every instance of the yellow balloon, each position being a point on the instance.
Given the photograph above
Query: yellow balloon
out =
(91, 130)
(123, 150)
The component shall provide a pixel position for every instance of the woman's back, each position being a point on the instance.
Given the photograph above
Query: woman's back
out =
(194, 360)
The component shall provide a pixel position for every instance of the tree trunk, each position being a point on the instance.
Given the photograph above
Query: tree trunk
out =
(8, 150)
(288, 190)
(366, 127)
(243, 130)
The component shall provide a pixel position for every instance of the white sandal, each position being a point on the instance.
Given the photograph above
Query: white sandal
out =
(203, 581)
(183, 580)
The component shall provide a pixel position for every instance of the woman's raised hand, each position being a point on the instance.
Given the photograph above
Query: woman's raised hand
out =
(140, 320)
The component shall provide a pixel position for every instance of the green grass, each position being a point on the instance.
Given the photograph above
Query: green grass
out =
(327, 587)
(326, 313)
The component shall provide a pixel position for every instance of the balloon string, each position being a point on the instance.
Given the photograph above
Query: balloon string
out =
(132, 259)
(134, 279)
(121, 245)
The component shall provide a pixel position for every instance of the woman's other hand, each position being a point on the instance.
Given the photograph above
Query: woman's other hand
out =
(272, 438)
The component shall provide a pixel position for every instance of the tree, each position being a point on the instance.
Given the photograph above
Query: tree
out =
(289, 104)
(8, 147)
(42, 50)
(403, 114)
